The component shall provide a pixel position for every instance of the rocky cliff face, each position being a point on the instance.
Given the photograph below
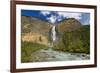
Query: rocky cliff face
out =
(34, 30)
(69, 24)
(34, 25)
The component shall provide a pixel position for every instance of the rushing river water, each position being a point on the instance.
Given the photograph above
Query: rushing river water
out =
(52, 55)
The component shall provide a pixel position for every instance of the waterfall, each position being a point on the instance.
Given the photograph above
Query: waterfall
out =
(54, 33)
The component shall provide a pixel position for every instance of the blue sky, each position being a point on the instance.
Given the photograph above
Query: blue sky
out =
(55, 17)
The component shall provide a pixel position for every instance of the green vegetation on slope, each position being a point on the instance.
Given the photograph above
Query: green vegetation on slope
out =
(75, 41)
(27, 48)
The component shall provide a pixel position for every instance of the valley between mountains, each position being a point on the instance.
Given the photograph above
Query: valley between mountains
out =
(42, 41)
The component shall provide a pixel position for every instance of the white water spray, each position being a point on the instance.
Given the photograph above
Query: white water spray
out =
(53, 33)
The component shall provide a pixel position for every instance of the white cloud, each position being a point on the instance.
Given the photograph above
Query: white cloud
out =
(45, 12)
(70, 15)
(58, 16)
(52, 19)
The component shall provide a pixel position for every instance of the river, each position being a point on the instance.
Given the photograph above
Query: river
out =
(46, 55)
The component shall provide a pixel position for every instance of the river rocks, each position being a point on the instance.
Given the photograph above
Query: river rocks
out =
(49, 54)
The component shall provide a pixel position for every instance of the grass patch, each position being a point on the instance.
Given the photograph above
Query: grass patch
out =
(27, 48)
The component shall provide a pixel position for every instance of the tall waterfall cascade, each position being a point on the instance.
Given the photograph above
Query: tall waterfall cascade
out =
(54, 33)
